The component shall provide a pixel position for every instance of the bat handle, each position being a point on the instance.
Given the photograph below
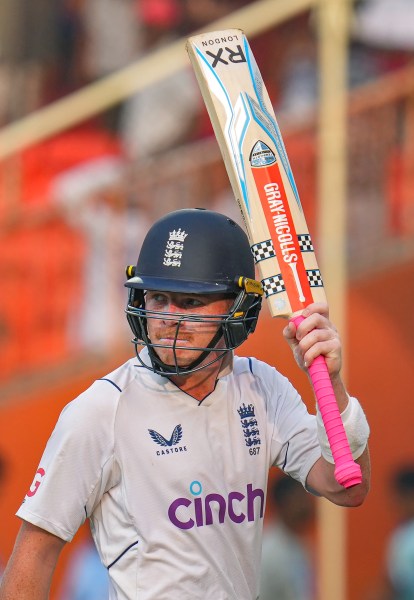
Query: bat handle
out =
(347, 471)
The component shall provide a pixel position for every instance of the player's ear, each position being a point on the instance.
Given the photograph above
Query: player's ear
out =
(245, 312)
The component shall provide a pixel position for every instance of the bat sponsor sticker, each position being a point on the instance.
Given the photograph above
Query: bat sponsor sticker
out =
(279, 219)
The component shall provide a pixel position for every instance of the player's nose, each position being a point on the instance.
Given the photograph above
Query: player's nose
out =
(173, 310)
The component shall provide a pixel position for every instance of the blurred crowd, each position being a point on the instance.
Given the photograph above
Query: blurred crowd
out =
(93, 189)
(50, 48)
(396, 581)
(108, 178)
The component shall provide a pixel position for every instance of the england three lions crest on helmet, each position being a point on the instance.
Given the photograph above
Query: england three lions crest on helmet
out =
(174, 248)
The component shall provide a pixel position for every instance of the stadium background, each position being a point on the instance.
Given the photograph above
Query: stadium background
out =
(67, 200)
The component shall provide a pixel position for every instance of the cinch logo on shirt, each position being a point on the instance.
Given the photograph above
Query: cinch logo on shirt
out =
(186, 513)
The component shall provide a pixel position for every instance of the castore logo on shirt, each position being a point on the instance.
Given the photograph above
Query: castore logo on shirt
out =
(171, 445)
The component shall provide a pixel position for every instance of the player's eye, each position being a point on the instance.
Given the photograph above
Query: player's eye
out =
(191, 303)
(156, 297)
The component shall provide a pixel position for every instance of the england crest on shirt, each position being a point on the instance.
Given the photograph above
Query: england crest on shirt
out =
(250, 428)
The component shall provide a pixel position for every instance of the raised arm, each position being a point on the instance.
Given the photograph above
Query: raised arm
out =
(29, 572)
(317, 336)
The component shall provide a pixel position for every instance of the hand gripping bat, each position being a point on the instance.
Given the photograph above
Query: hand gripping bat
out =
(259, 171)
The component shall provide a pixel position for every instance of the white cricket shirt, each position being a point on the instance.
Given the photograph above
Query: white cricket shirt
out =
(174, 488)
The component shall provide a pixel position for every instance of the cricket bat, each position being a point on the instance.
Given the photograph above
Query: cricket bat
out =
(262, 180)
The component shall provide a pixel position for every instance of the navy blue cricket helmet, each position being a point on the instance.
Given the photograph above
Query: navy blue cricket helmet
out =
(195, 251)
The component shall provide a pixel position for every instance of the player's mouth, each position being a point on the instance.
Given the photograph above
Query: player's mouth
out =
(173, 341)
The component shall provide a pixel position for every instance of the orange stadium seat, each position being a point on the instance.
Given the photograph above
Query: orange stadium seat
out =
(399, 186)
(41, 285)
(44, 161)
(41, 257)
(301, 149)
(41, 272)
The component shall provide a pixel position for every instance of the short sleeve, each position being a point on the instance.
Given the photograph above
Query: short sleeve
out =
(295, 434)
(292, 429)
(77, 466)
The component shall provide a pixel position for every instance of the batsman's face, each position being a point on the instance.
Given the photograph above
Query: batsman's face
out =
(162, 329)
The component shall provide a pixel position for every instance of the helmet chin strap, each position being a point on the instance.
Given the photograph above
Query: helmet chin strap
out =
(164, 369)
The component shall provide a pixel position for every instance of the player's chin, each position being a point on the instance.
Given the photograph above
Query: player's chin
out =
(173, 357)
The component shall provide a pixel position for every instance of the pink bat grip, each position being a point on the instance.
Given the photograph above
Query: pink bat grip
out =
(347, 472)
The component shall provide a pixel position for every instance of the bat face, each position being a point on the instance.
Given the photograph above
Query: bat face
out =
(259, 171)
